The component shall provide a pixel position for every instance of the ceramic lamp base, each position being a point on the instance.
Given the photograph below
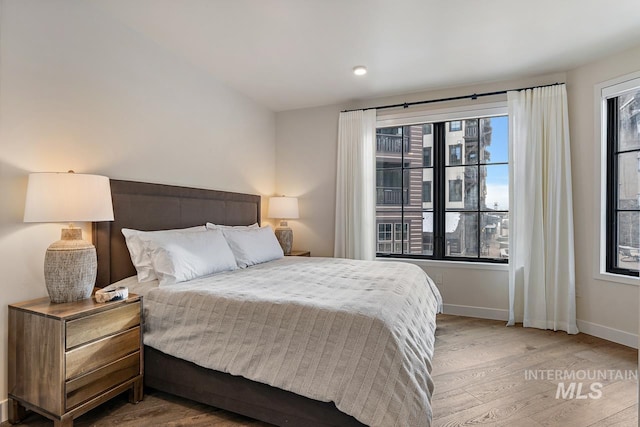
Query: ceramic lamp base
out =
(70, 267)
(285, 237)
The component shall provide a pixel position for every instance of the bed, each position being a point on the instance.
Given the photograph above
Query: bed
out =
(146, 206)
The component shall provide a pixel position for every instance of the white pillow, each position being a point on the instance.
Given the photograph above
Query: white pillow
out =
(136, 243)
(253, 246)
(211, 226)
(184, 256)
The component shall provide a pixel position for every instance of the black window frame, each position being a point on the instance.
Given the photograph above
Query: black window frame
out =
(612, 185)
(438, 238)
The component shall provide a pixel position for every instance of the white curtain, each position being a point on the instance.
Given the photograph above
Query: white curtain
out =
(541, 254)
(355, 186)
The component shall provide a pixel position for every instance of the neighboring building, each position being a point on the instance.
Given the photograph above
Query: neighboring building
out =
(392, 197)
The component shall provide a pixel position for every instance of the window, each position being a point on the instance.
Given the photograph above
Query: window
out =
(455, 154)
(622, 130)
(384, 237)
(455, 190)
(393, 238)
(462, 211)
(426, 157)
(400, 236)
(427, 244)
(426, 191)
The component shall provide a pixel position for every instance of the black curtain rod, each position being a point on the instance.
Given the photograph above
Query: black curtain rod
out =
(453, 98)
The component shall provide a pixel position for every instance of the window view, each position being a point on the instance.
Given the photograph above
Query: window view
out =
(623, 176)
(443, 188)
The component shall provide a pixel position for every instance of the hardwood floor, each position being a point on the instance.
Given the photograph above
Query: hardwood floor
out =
(157, 409)
(479, 373)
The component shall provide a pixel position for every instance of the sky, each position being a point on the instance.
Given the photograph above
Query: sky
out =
(498, 176)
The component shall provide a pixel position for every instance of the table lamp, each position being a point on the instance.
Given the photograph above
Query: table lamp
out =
(284, 208)
(70, 264)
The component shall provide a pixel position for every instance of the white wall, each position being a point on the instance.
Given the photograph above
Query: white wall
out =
(599, 303)
(306, 168)
(81, 91)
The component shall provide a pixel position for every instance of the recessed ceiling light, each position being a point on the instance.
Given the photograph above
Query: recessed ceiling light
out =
(360, 70)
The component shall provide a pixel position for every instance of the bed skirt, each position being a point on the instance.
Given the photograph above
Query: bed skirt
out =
(237, 394)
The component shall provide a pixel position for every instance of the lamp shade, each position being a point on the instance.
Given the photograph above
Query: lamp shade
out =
(68, 197)
(283, 207)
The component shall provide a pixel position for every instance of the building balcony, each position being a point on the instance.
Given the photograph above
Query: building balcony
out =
(391, 196)
(392, 143)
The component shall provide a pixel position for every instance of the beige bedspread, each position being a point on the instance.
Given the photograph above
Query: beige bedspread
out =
(358, 333)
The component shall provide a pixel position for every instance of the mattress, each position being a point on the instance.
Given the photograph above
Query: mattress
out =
(356, 333)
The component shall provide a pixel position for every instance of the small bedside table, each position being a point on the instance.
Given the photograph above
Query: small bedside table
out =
(66, 359)
(300, 253)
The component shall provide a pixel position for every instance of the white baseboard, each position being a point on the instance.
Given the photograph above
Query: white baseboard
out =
(594, 329)
(479, 312)
(4, 410)
(609, 334)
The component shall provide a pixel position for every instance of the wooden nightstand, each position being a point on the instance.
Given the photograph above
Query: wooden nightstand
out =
(300, 253)
(66, 359)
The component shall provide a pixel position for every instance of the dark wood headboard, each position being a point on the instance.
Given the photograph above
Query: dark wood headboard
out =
(145, 206)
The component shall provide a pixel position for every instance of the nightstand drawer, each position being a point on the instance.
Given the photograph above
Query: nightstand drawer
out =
(99, 325)
(97, 354)
(85, 387)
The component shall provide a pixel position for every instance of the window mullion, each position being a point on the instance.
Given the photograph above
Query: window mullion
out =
(439, 182)
(478, 188)
(405, 186)
(612, 190)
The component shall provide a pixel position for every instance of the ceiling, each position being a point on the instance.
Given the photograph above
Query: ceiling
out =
(289, 54)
